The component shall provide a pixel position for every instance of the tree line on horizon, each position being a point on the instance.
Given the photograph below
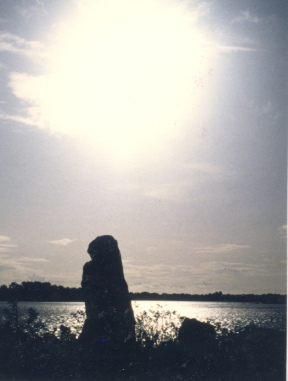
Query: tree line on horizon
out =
(46, 292)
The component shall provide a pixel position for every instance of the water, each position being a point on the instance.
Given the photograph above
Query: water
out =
(229, 315)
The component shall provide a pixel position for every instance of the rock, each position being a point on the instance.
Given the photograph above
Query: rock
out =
(109, 314)
(194, 333)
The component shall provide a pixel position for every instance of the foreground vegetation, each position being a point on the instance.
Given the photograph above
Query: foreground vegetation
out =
(46, 292)
(164, 351)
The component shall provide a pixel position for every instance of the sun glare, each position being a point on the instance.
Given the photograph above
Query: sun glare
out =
(122, 74)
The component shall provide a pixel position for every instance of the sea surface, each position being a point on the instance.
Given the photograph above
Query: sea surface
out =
(229, 315)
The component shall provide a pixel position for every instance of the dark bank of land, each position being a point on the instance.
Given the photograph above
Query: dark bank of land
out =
(46, 292)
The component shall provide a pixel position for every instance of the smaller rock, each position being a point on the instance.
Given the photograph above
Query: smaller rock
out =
(193, 332)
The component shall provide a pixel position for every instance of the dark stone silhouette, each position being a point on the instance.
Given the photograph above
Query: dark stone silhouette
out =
(109, 315)
(194, 333)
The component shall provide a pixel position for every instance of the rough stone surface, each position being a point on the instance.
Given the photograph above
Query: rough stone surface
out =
(109, 315)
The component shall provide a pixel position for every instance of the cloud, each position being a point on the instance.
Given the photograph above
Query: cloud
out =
(168, 191)
(35, 9)
(168, 275)
(245, 17)
(204, 276)
(283, 231)
(4, 238)
(12, 43)
(6, 244)
(62, 242)
(238, 45)
(4, 268)
(176, 184)
(232, 273)
(29, 121)
(236, 48)
(33, 260)
(226, 267)
(234, 43)
(36, 278)
(220, 249)
(181, 190)
(15, 269)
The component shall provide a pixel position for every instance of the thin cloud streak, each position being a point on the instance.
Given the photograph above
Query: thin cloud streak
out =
(6, 244)
(20, 119)
(62, 242)
(231, 48)
(32, 260)
(4, 238)
(12, 43)
(217, 249)
(239, 46)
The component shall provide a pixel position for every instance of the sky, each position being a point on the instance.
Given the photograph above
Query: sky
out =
(160, 122)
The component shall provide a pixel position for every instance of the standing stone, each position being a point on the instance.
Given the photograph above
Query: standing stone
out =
(109, 314)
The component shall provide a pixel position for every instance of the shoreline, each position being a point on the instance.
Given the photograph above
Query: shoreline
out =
(282, 301)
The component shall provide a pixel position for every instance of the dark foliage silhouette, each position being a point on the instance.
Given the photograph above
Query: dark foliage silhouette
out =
(29, 351)
(44, 291)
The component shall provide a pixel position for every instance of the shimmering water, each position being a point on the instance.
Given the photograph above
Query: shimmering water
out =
(229, 315)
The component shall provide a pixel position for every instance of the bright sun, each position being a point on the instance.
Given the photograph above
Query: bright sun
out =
(122, 74)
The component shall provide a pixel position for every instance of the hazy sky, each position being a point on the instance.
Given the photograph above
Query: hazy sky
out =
(160, 122)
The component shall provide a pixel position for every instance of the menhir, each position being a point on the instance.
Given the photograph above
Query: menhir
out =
(109, 315)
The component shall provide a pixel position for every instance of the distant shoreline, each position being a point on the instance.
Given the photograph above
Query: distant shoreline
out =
(229, 298)
(45, 292)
